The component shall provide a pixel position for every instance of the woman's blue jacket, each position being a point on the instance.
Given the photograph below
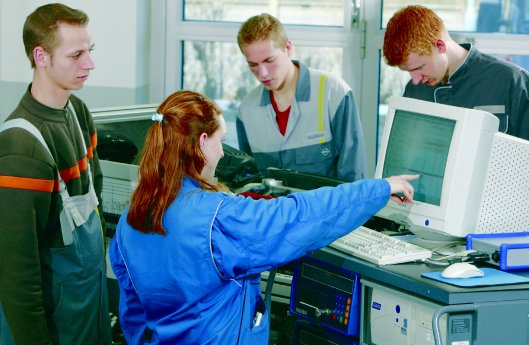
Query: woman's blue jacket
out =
(200, 283)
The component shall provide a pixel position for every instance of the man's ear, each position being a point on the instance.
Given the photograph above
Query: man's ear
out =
(288, 47)
(40, 56)
(202, 139)
(441, 45)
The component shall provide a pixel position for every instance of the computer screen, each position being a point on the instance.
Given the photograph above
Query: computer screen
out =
(424, 153)
(449, 147)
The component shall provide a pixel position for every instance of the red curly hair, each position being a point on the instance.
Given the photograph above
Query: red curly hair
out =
(412, 29)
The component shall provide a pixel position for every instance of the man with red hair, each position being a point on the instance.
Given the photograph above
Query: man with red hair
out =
(444, 71)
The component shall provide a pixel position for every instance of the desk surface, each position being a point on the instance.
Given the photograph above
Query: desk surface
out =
(407, 277)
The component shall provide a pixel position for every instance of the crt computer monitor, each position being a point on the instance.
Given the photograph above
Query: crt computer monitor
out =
(449, 148)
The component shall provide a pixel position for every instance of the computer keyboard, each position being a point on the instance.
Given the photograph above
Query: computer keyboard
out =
(379, 248)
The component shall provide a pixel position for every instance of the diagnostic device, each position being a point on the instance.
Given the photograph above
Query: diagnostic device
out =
(509, 251)
(326, 295)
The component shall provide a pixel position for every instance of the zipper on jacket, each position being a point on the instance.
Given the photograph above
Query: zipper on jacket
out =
(68, 126)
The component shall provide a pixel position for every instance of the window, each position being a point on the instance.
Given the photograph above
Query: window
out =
(199, 49)
(304, 12)
(202, 39)
(484, 16)
(219, 70)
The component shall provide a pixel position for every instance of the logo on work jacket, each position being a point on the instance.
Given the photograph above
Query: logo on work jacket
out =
(325, 150)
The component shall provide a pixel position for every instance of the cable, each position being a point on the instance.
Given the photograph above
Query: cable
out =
(446, 260)
(461, 254)
(268, 290)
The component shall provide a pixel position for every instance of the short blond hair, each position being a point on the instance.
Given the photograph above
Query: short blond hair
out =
(261, 27)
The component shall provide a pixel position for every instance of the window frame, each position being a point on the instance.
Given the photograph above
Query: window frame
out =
(167, 48)
(361, 56)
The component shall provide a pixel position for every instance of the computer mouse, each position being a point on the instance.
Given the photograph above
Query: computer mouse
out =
(462, 270)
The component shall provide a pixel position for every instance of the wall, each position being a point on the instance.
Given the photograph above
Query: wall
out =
(120, 29)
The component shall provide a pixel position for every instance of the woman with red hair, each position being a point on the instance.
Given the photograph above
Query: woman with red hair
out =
(188, 253)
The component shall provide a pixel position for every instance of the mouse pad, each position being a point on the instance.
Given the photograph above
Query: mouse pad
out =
(492, 277)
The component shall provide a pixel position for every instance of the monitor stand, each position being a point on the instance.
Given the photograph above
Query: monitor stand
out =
(444, 247)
